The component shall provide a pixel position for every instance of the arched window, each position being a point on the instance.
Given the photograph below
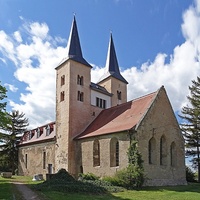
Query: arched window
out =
(114, 152)
(152, 151)
(163, 151)
(96, 153)
(80, 96)
(62, 96)
(80, 80)
(119, 95)
(62, 80)
(173, 154)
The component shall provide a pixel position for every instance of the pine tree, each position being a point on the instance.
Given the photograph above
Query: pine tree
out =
(10, 138)
(191, 125)
(3, 114)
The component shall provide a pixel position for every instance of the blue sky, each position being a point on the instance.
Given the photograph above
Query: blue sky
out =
(157, 43)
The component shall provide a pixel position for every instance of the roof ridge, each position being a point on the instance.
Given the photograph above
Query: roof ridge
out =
(119, 105)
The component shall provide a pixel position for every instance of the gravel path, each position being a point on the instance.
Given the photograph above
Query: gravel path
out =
(27, 193)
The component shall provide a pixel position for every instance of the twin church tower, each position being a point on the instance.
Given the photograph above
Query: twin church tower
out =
(78, 100)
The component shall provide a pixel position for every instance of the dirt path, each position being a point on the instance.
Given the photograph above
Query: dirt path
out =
(26, 192)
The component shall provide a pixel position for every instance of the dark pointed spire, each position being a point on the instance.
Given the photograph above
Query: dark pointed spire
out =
(112, 66)
(74, 51)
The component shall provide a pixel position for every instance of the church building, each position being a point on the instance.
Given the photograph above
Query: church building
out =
(95, 125)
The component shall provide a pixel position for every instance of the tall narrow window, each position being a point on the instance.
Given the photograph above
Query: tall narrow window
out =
(26, 160)
(48, 130)
(38, 132)
(96, 153)
(173, 154)
(152, 151)
(101, 103)
(119, 95)
(62, 96)
(62, 80)
(80, 80)
(163, 151)
(80, 96)
(117, 153)
(114, 152)
(44, 160)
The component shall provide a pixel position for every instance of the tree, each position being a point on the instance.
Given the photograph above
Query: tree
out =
(191, 125)
(133, 175)
(135, 165)
(10, 138)
(3, 114)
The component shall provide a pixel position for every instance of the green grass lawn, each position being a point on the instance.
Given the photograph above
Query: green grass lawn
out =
(189, 192)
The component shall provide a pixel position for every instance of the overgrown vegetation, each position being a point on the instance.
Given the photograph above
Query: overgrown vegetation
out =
(64, 182)
(133, 175)
(88, 176)
(190, 175)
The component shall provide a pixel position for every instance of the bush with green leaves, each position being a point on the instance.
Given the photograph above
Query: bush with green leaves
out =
(88, 176)
(64, 182)
(133, 175)
(190, 175)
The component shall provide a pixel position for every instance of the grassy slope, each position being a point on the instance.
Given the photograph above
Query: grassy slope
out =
(192, 191)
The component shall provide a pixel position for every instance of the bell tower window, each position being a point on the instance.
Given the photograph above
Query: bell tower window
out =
(119, 95)
(62, 80)
(80, 96)
(80, 80)
(62, 96)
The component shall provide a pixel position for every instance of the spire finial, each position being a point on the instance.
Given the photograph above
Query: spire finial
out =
(112, 63)
(73, 46)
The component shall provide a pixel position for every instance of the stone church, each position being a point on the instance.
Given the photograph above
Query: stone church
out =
(95, 125)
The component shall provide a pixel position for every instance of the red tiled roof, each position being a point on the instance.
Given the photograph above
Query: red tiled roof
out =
(42, 138)
(119, 118)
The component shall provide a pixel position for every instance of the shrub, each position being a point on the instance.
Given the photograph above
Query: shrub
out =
(133, 175)
(64, 182)
(190, 175)
(88, 176)
(62, 174)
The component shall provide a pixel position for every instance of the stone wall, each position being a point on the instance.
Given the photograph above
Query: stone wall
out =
(31, 159)
(72, 115)
(85, 157)
(113, 85)
(161, 122)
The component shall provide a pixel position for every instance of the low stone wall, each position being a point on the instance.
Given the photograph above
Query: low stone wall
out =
(6, 174)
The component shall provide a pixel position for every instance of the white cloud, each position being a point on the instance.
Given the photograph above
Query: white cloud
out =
(11, 87)
(7, 47)
(36, 60)
(17, 36)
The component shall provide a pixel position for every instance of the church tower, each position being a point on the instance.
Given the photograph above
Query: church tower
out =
(112, 80)
(72, 101)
